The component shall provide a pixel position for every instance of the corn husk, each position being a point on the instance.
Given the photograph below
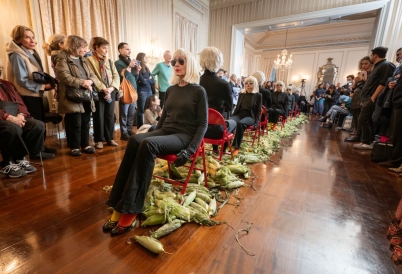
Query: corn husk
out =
(156, 219)
(190, 198)
(167, 228)
(150, 243)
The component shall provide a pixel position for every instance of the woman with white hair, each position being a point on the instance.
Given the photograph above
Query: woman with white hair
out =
(266, 94)
(179, 131)
(248, 110)
(218, 90)
(279, 104)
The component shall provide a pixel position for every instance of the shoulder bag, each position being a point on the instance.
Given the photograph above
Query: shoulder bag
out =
(129, 93)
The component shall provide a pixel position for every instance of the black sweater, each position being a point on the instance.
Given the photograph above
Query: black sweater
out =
(397, 95)
(280, 101)
(185, 111)
(218, 91)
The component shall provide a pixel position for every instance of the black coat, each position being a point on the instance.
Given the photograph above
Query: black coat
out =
(218, 91)
(256, 104)
(280, 100)
(266, 97)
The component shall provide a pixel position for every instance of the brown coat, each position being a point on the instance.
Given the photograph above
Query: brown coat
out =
(70, 77)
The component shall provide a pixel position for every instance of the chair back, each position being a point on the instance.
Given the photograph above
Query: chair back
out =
(264, 116)
(215, 118)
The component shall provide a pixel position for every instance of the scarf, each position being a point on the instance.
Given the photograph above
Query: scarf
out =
(106, 79)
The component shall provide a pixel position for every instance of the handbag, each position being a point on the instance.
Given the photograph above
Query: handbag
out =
(129, 93)
(9, 107)
(78, 95)
(381, 152)
(43, 78)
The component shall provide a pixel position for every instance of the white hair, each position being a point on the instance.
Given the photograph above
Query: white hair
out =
(260, 76)
(192, 69)
(211, 59)
(283, 85)
(256, 89)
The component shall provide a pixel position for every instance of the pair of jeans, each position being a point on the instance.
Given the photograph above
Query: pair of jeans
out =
(77, 128)
(103, 118)
(334, 110)
(126, 117)
(135, 172)
(16, 141)
(142, 98)
(366, 120)
(241, 124)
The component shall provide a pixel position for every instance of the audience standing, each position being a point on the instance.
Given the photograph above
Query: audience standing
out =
(163, 72)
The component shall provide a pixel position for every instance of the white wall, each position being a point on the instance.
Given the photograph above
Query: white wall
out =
(307, 63)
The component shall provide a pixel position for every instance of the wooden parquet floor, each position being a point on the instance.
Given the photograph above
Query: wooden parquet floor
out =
(323, 208)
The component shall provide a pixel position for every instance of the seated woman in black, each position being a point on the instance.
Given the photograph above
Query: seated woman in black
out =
(179, 131)
(248, 110)
(219, 91)
(279, 105)
(330, 98)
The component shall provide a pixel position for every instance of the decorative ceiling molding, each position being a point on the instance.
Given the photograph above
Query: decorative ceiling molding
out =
(320, 42)
(218, 4)
(198, 6)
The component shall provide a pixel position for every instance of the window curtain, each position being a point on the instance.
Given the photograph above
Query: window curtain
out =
(268, 67)
(86, 19)
(186, 33)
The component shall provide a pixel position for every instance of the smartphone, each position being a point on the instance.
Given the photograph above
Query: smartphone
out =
(137, 63)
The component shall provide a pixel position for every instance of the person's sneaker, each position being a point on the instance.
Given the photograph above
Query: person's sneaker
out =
(25, 165)
(323, 119)
(45, 156)
(352, 139)
(124, 137)
(50, 150)
(362, 146)
(12, 170)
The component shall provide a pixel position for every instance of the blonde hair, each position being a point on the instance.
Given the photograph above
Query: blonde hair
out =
(73, 43)
(260, 76)
(54, 42)
(255, 84)
(192, 70)
(211, 59)
(283, 85)
(18, 33)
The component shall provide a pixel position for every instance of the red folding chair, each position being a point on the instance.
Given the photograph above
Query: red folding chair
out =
(257, 131)
(215, 118)
(282, 120)
(170, 158)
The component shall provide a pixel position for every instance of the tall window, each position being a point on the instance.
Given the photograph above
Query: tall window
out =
(186, 33)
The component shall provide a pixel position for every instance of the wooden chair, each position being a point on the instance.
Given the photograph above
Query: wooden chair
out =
(170, 158)
(215, 118)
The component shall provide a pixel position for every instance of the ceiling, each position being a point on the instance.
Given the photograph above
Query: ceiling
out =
(342, 29)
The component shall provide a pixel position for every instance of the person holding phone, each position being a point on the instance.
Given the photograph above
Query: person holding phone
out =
(131, 69)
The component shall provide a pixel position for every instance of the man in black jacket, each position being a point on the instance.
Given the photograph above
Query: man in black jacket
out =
(375, 83)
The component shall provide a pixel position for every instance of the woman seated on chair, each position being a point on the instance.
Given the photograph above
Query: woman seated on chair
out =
(219, 91)
(248, 110)
(179, 131)
(152, 114)
(279, 105)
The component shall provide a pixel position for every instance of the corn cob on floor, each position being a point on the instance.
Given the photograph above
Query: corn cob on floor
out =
(319, 207)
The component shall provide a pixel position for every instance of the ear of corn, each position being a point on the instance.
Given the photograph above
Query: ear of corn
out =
(149, 213)
(212, 206)
(234, 184)
(198, 207)
(190, 198)
(150, 243)
(167, 228)
(156, 219)
(201, 203)
(203, 196)
(175, 172)
(180, 212)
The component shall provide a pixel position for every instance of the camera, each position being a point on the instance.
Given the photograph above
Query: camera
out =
(303, 80)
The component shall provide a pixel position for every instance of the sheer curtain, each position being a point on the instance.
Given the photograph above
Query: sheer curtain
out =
(83, 18)
(267, 67)
(186, 33)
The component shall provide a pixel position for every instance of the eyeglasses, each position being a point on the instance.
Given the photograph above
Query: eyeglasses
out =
(249, 83)
(278, 85)
(180, 60)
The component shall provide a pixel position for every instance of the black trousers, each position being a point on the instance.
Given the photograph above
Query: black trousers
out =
(35, 107)
(135, 171)
(397, 136)
(274, 113)
(216, 131)
(241, 124)
(77, 128)
(162, 97)
(103, 118)
(16, 142)
(366, 121)
(355, 121)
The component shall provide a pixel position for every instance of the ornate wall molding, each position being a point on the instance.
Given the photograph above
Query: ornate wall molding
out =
(319, 42)
(218, 4)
